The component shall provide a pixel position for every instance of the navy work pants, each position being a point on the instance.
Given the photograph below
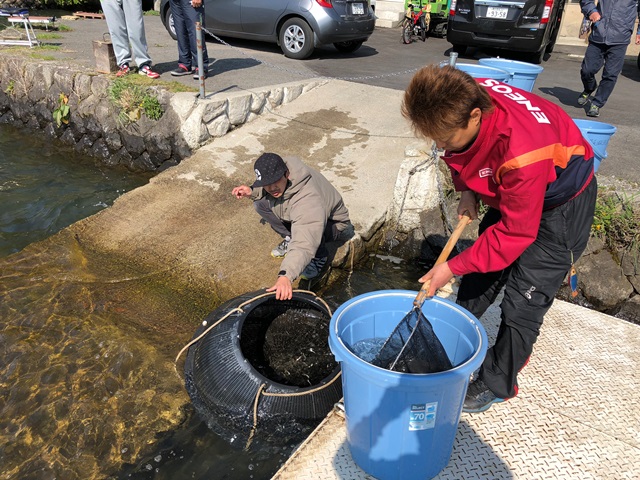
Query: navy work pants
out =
(531, 284)
(184, 21)
(597, 55)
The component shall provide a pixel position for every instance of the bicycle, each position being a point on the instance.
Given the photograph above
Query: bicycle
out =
(416, 22)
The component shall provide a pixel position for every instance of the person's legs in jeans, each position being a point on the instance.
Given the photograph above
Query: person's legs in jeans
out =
(180, 19)
(613, 63)
(591, 64)
(117, 25)
(191, 16)
(136, 33)
(331, 234)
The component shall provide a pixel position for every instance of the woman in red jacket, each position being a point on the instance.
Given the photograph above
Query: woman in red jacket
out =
(527, 161)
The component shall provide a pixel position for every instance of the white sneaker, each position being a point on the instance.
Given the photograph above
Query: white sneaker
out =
(282, 248)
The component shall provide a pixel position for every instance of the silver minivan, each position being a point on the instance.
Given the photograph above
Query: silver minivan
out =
(298, 26)
(518, 25)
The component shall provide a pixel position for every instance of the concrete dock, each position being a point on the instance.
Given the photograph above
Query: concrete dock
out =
(576, 417)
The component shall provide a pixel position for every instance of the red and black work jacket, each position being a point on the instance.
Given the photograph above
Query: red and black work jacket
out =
(528, 157)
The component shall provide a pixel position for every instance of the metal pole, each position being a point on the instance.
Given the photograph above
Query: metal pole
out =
(453, 57)
(201, 72)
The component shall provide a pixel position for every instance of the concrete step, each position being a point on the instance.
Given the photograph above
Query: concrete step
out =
(388, 23)
(389, 14)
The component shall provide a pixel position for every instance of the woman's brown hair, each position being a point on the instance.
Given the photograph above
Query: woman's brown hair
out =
(439, 100)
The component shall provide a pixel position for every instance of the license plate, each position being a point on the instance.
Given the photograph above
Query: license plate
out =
(495, 12)
(357, 8)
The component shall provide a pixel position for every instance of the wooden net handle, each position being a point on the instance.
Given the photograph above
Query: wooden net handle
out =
(444, 255)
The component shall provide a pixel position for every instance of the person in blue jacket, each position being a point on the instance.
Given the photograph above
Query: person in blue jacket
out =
(611, 32)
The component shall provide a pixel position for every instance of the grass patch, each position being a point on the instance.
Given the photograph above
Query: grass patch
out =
(10, 87)
(47, 46)
(49, 36)
(171, 85)
(64, 28)
(42, 56)
(40, 52)
(151, 13)
(617, 222)
(177, 87)
(134, 99)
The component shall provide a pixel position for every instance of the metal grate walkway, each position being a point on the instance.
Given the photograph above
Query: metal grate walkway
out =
(577, 415)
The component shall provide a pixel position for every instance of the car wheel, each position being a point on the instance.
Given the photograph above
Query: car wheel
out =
(639, 60)
(552, 40)
(406, 31)
(348, 47)
(440, 30)
(296, 39)
(550, 46)
(168, 21)
(537, 57)
(459, 49)
(423, 29)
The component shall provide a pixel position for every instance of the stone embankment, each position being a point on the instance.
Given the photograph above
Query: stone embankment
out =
(30, 93)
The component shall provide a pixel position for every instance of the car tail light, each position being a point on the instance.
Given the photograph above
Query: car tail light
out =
(546, 13)
(325, 3)
(452, 9)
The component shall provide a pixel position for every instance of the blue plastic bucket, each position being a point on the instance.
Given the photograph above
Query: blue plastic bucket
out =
(598, 134)
(402, 425)
(521, 74)
(484, 71)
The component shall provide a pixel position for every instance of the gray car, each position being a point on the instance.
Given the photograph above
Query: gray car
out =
(298, 26)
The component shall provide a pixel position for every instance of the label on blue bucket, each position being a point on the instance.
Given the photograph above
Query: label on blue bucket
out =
(423, 416)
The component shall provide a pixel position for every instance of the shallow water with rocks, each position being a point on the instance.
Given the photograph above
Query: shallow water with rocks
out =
(88, 385)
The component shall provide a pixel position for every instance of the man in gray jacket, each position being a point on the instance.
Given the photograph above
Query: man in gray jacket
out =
(304, 209)
(611, 31)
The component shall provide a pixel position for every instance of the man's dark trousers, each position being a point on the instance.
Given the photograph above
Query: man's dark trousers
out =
(597, 55)
(184, 21)
(531, 284)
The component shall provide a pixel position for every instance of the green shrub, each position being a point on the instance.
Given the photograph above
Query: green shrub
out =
(61, 113)
(133, 100)
(617, 222)
(91, 5)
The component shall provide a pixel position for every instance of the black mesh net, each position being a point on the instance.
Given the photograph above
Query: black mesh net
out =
(413, 347)
(291, 347)
(278, 346)
(297, 349)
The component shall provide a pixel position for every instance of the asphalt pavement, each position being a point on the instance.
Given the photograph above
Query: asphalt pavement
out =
(383, 61)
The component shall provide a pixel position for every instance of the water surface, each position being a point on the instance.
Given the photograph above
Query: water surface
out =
(46, 186)
(88, 388)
